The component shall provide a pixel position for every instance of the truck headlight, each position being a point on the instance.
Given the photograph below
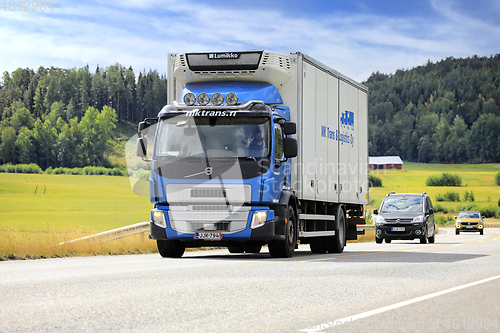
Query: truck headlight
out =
(203, 99)
(259, 218)
(231, 98)
(217, 99)
(189, 99)
(159, 218)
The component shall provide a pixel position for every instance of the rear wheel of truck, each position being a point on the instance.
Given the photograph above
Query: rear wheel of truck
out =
(170, 248)
(336, 243)
(286, 247)
(318, 246)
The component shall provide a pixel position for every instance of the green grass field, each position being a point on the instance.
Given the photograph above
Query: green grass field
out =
(478, 178)
(64, 202)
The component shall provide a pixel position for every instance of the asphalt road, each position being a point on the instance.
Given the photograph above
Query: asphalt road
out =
(452, 285)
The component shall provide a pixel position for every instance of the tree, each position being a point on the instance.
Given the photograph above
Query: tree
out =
(483, 140)
(8, 146)
(22, 118)
(25, 146)
(45, 136)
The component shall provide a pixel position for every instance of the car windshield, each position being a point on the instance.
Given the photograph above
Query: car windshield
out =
(203, 137)
(402, 204)
(469, 215)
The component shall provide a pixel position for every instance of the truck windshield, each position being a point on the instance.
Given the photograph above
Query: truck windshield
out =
(242, 137)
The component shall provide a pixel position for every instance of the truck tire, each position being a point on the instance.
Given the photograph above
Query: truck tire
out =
(170, 248)
(235, 249)
(286, 247)
(318, 246)
(252, 248)
(336, 243)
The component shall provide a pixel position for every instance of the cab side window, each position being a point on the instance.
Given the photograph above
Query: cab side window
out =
(278, 142)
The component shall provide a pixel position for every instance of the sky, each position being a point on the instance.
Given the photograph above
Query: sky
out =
(354, 37)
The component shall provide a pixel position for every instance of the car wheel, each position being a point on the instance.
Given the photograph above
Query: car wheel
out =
(432, 239)
(388, 241)
(379, 240)
(423, 240)
(457, 232)
(481, 232)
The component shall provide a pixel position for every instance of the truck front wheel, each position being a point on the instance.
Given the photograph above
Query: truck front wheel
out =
(170, 248)
(286, 247)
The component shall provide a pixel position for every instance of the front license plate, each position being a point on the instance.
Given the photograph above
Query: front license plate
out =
(208, 235)
(469, 226)
(398, 228)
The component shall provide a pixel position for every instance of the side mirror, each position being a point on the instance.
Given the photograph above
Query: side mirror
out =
(375, 211)
(143, 126)
(289, 128)
(431, 211)
(142, 147)
(290, 147)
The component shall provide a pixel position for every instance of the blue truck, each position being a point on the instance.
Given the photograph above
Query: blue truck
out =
(256, 148)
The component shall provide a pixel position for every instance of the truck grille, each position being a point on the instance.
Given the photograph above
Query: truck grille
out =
(222, 218)
(203, 194)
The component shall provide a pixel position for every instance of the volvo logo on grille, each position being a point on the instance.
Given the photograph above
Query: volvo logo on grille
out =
(208, 171)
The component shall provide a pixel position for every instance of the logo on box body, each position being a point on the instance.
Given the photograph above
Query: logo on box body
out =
(226, 55)
(343, 136)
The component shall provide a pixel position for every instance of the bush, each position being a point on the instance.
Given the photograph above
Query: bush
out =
(374, 181)
(467, 207)
(446, 179)
(449, 196)
(469, 196)
(20, 168)
(439, 208)
(489, 211)
(444, 220)
(497, 179)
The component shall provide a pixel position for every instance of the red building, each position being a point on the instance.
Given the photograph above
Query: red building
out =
(386, 163)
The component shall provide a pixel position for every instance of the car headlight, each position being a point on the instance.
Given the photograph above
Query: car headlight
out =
(159, 218)
(419, 218)
(259, 218)
(379, 220)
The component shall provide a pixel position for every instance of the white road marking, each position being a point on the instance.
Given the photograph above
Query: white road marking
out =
(339, 322)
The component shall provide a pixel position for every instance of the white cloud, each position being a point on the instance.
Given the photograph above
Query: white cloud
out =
(140, 34)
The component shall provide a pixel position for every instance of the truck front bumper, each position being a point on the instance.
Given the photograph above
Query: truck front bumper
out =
(262, 235)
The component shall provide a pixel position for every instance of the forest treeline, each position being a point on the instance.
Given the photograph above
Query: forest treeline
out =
(444, 112)
(58, 117)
